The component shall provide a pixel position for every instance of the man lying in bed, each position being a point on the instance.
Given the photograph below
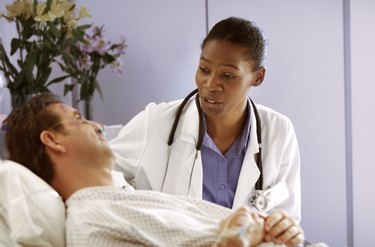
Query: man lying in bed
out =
(71, 154)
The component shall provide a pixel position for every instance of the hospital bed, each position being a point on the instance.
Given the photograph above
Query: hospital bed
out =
(31, 211)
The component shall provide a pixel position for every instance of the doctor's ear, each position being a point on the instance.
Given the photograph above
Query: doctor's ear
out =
(50, 141)
(259, 76)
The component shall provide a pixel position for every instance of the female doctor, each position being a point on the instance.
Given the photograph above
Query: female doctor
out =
(217, 145)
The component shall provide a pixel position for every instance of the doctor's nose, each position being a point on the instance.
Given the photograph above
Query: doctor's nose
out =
(212, 83)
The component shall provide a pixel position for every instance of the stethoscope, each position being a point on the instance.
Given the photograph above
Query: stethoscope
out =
(258, 200)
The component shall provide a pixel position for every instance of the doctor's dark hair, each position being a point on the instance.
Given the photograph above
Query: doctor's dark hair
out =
(22, 134)
(243, 33)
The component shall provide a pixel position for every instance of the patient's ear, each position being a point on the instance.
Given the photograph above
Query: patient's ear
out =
(49, 140)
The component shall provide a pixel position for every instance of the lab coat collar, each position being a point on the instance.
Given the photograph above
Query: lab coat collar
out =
(196, 188)
(191, 125)
(249, 172)
(253, 145)
(188, 133)
(190, 121)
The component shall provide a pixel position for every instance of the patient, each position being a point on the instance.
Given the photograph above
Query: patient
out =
(71, 154)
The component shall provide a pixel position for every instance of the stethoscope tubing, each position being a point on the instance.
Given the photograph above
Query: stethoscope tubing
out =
(259, 183)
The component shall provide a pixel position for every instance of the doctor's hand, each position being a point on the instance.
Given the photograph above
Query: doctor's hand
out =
(282, 229)
(242, 228)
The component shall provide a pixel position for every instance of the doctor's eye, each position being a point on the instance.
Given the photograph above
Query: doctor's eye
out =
(229, 76)
(203, 69)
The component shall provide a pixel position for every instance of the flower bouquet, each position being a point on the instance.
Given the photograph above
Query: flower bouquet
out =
(48, 33)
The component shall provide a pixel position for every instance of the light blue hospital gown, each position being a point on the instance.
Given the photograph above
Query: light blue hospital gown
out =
(108, 216)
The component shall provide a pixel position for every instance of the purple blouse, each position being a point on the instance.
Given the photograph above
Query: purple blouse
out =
(221, 171)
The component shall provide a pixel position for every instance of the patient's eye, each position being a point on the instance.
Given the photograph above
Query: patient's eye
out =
(79, 117)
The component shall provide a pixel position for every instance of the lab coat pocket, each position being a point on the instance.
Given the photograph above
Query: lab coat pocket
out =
(265, 200)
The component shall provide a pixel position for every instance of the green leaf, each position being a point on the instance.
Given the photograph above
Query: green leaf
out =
(68, 58)
(48, 7)
(84, 91)
(58, 79)
(63, 67)
(35, 4)
(54, 30)
(79, 33)
(27, 28)
(2, 50)
(15, 45)
(68, 88)
(48, 42)
(68, 43)
(97, 87)
(4, 58)
(73, 6)
(108, 58)
(84, 81)
(19, 82)
(41, 89)
(43, 75)
(83, 28)
(30, 62)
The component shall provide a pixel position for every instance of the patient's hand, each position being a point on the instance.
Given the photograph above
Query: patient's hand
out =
(282, 229)
(242, 228)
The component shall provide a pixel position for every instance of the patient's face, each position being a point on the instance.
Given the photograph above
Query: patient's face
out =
(82, 138)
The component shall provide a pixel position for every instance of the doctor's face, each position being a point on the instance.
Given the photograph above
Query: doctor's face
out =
(224, 77)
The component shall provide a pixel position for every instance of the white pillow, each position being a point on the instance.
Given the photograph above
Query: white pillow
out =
(111, 131)
(31, 211)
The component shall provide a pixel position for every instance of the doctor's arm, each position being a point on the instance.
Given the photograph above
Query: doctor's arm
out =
(128, 146)
(290, 173)
(282, 225)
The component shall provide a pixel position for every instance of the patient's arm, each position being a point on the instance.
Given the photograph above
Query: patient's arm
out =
(241, 228)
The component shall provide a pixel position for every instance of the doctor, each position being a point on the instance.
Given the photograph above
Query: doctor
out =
(222, 147)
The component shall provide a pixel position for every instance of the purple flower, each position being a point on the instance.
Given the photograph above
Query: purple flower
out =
(85, 61)
(120, 49)
(97, 31)
(116, 66)
(88, 45)
(101, 45)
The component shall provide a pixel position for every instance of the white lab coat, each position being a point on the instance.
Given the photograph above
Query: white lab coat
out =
(141, 152)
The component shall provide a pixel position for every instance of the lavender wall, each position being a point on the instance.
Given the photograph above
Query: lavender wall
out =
(163, 49)
(363, 119)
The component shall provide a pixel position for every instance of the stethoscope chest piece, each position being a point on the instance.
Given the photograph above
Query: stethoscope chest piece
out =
(263, 200)
(260, 200)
